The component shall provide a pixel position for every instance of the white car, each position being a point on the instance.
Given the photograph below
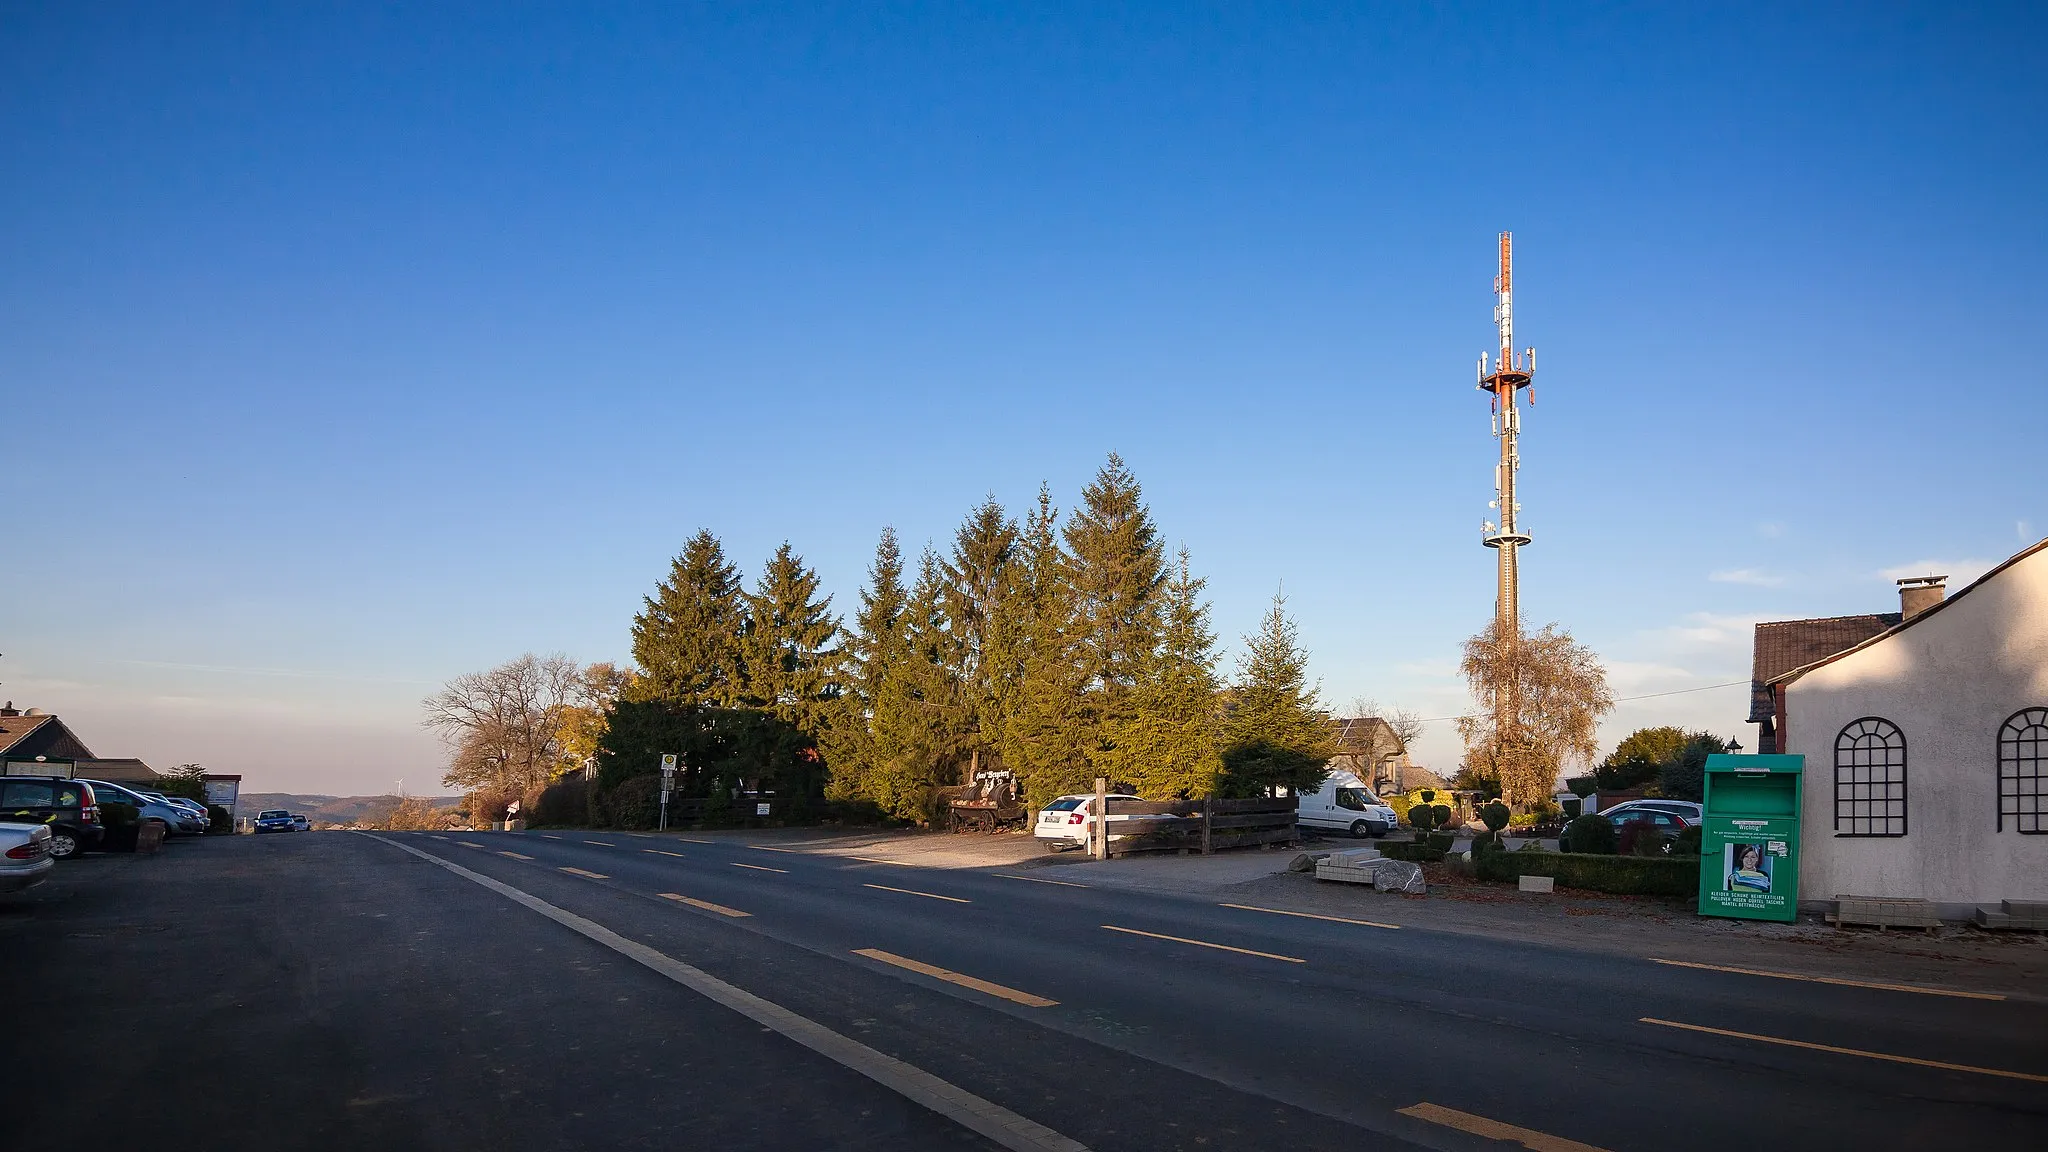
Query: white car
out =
(1064, 823)
(1685, 810)
(1344, 804)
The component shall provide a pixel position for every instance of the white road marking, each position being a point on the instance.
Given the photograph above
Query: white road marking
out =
(985, 1117)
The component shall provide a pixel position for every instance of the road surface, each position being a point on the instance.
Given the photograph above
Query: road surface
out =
(605, 989)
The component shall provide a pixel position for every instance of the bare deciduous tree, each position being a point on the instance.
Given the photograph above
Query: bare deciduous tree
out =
(1538, 698)
(504, 728)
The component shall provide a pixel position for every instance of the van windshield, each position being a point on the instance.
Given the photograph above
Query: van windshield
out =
(1352, 798)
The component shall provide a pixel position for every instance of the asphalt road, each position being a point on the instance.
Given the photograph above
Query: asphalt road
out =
(339, 990)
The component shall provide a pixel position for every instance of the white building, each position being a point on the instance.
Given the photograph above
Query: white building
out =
(1926, 748)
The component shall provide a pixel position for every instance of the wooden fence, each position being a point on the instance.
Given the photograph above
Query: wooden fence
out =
(1201, 825)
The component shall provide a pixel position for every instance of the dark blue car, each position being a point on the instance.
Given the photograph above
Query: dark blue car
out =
(275, 820)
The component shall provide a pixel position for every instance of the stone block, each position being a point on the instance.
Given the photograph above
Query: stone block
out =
(1538, 883)
(1399, 876)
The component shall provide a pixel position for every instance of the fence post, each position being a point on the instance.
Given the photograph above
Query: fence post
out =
(1101, 821)
(1206, 810)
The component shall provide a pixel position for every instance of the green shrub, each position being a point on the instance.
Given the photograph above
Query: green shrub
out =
(563, 804)
(1419, 852)
(1623, 875)
(1422, 817)
(189, 787)
(1640, 838)
(219, 821)
(1495, 816)
(1590, 834)
(1687, 843)
(634, 803)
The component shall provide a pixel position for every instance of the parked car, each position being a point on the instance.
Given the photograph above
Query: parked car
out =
(275, 820)
(146, 809)
(1064, 823)
(25, 859)
(69, 808)
(1342, 802)
(197, 809)
(1666, 823)
(1685, 810)
(301, 823)
(188, 821)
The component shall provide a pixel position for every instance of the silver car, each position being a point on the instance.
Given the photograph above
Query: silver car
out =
(25, 859)
(145, 808)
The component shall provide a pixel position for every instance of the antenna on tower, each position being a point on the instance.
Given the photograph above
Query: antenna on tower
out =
(1510, 374)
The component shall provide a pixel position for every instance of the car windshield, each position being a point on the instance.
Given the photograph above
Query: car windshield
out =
(273, 816)
(1352, 798)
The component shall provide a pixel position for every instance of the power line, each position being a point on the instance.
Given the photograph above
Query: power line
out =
(1627, 699)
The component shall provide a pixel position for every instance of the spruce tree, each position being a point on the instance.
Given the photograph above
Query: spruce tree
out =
(686, 638)
(791, 666)
(1117, 569)
(1048, 734)
(1276, 733)
(874, 652)
(916, 724)
(978, 599)
(1168, 745)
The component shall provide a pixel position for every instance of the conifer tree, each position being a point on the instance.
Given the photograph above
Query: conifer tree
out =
(916, 723)
(1047, 733)
(686, 638)
(1168, 745)
(979, 583)
(1117, 569)
(874, 652)
(1276, 733)
(791, 665)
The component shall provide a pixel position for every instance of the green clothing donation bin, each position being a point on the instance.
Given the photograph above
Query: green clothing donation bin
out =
(1749, 847)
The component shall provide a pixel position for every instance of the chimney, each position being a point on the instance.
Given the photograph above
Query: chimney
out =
(10, 710)
(1920, 593)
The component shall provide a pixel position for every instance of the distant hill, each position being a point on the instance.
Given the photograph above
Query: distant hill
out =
(330, 809)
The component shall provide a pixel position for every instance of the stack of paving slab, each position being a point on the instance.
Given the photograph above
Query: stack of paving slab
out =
(2016, 915)
(1355, 866)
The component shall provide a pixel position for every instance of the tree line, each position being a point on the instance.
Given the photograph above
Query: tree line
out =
(1055, 648)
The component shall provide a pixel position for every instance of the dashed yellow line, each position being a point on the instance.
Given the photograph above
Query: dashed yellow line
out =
(706, 905)
(1833, 980)
(950, 977)
(515, 855)
(915, 892)
(758, 868)
(1493, 1129)
(1207, 944)
(879, 860)
(545, 836)
(1914, 1060)
(660, 852)
(469, 843)
(586, 875)
(602, 843)
(436, 836)
(789, 851)
(1042, 880)
(1310, 916)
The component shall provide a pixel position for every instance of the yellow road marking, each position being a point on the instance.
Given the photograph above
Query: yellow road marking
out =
(879, 860)
(915, 892)
(688, 840)
(1010, 994)
(660, 852)
(1206, 944)
(1493, 1129)
(1038, 880)
(1833, 980)
(515, 855)
(1310, 915)
(602, 843)
(545, 836)
(1914, 1060)
(758, 868)
(706, 905)
(766, 848)
(469, 843)
(432, 835)
(587, 875)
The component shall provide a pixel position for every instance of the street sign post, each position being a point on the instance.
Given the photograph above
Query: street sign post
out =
(668, 780)
(1749, 844)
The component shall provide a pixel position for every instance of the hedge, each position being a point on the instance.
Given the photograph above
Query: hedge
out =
(1624, 875)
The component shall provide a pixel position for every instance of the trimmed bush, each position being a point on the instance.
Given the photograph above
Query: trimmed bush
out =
(1495, 816)
(1622, 875)
(1687, 843)
(632, 804)
(1420, 852)
(219, 821)
(563, 804)
(1640, 838)
(1591, 833)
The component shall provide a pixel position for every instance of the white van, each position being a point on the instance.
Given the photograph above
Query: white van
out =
(1345, 803)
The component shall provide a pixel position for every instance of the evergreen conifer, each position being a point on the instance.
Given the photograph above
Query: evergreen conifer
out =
(792, 669)
(1168, 744)
(686, 638)
(1276, 733)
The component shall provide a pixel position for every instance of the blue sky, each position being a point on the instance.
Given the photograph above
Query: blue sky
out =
(347, 348)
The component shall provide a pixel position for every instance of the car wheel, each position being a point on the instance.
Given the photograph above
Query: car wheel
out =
(62, 844)
(1359, 828)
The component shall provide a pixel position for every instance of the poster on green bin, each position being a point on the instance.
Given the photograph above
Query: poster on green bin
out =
(1749, 843)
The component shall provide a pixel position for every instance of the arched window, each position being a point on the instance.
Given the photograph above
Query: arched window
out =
(2022, 764)
(1870, 779)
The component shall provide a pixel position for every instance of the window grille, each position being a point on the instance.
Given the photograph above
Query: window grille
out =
(2022, 754)
(1870, 779)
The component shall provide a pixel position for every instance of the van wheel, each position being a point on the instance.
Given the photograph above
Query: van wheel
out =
(1359, 829)
(62, 844)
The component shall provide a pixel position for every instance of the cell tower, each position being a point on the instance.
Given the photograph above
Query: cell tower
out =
(1503, 378)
